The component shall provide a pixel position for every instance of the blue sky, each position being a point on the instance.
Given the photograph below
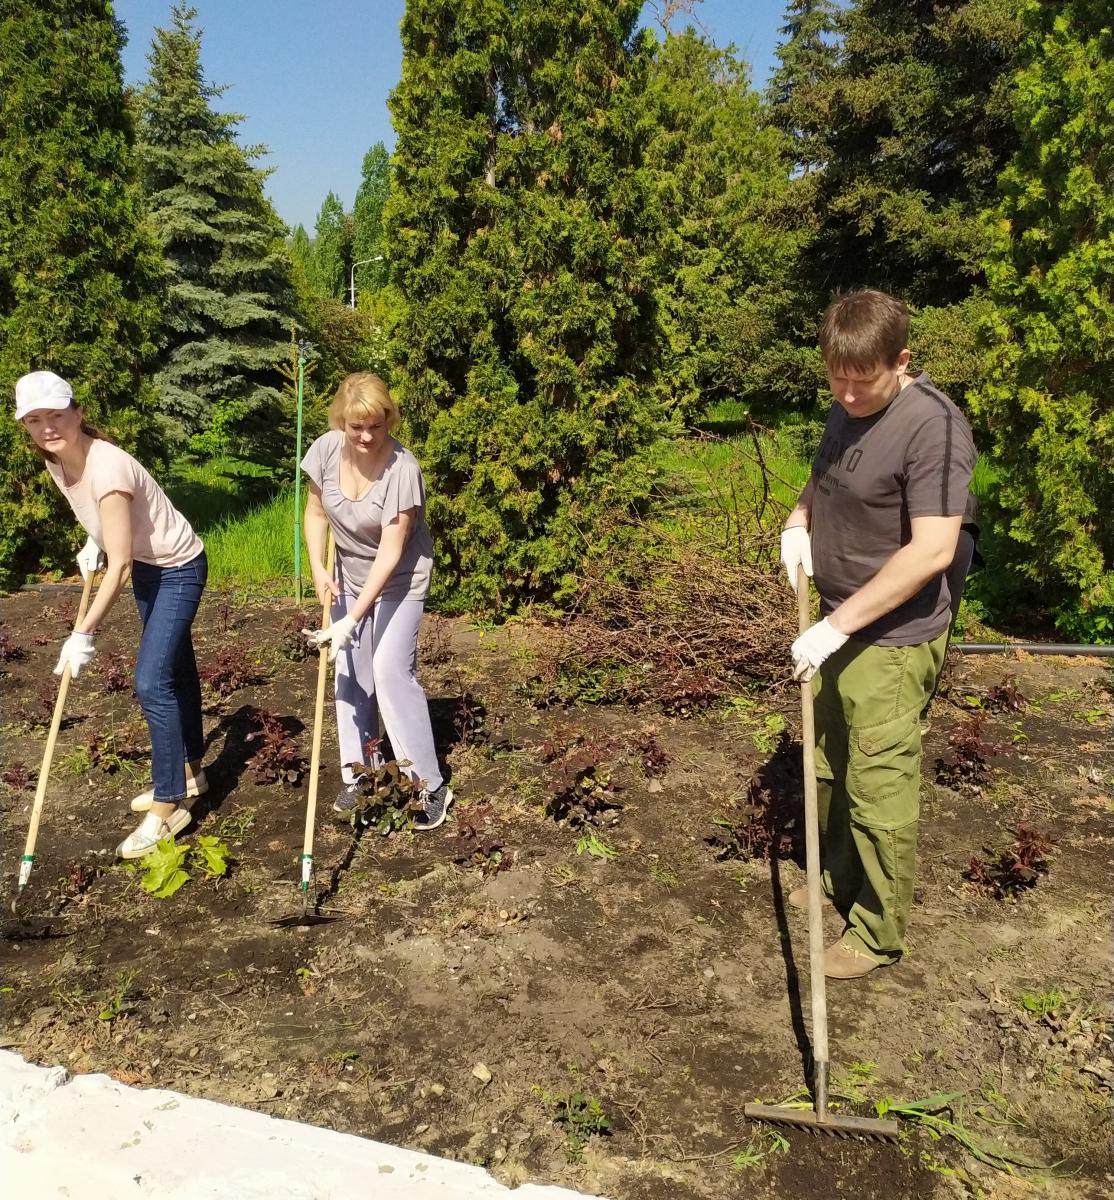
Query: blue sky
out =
(312, 79)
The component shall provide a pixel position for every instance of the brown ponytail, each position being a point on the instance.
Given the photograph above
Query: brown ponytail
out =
(93, 432)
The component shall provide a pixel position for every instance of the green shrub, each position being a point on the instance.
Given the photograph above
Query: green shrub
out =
(79, 274)
(518, 228)
(1048, 401)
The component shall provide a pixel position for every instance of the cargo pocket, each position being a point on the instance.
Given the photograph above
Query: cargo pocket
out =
(883, 773)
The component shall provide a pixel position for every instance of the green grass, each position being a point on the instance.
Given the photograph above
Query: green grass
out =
(208, 493)
(706, 480)
(247, 526)
(255, 549)
(706, 470)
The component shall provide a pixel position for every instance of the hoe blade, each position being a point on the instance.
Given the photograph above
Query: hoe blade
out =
(31, 929)
(302, 921)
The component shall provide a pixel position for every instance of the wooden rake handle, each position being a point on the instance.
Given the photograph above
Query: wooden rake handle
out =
(48, 753)
(812, 864)
(318, 713)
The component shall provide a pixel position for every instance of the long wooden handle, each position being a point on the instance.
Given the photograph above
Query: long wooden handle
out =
(318, 714)
(48, 755)
(812, 865)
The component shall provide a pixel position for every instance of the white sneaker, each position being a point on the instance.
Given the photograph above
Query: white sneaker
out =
(152, 830)
(194, 788)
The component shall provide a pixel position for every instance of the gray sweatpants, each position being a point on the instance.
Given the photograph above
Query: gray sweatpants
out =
(377, 677)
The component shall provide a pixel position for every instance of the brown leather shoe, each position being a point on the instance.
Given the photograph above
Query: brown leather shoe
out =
(798, 897)
(841, 962)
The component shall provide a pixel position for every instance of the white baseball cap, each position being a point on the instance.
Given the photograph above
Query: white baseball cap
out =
(41, 389)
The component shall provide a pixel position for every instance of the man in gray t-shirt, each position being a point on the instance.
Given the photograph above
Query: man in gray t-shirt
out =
(878, 526)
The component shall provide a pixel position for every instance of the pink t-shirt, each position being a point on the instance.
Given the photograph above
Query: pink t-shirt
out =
(160, 534)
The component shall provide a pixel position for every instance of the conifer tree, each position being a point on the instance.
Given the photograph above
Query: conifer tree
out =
(918, 131)
(331, 252)
(808, 55)
(1048, 401)
(520, 224)
(723, 267)
(79, 277)
(788, 371)
(226, 330)
(367, 219)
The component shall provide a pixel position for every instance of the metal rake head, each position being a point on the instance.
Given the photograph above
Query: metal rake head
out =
(873, 1129)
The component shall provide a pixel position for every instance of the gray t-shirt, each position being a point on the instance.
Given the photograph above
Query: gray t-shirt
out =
(872, 475)
(357, 525)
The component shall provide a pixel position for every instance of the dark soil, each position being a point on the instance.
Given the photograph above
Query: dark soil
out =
(667, 982)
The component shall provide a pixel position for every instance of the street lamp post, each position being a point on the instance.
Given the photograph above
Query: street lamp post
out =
(352, 277)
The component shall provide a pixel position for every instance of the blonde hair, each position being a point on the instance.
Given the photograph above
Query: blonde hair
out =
(864, 330)
(361, 397)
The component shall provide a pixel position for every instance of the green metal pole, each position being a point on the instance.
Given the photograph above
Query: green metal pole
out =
(298, 479)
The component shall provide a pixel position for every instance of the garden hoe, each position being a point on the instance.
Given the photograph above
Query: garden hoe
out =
(306, 918)
(35, 927)
(820, 1119)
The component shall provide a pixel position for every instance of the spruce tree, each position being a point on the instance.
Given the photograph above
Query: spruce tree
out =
(225, 336)
(520, 227)
(808, 55)
(79, 276)
(788, 371)
(367, 219)
(331, 251)
(918, 130)
(1048, 400)
(723, 266)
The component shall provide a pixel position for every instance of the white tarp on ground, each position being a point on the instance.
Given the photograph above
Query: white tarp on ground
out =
(88, 1136)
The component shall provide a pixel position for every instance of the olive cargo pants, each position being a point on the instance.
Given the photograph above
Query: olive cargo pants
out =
(868, 702)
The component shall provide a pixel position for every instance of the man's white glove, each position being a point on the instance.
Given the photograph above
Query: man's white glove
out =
(813, 647)
(77, 652)
(796, 550)
(90, 559)
(336, 636)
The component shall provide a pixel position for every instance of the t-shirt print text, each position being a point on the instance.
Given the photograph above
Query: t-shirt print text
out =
(840, 456)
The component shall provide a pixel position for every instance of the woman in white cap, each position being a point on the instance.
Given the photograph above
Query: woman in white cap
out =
(369, 489)
(134, 531)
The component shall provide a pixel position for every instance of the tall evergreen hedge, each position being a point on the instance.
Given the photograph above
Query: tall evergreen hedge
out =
(1048, 401)
(79, 276)
(520, 225)
(725, 269)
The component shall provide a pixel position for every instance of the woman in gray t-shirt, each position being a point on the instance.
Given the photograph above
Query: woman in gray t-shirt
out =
(369, 490)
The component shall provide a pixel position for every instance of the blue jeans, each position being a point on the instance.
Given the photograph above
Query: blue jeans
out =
(166, 680)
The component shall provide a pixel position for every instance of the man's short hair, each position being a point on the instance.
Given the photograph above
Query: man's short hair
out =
(862, 330)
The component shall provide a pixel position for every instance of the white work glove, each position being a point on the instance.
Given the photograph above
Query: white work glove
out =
(796, 551)
(816, 644)
(77, 651)
(336, 636)
(90, 559)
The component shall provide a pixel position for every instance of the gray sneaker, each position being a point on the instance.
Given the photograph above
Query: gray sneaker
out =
(348, 798)
(435, 807)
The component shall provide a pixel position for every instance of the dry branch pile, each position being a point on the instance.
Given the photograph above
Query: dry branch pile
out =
(696, 607)
(694, 628)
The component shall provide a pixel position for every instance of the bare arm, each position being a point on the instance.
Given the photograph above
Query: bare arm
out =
(116, 530)
(802, 513)
(392, 542)
(315, 525)
(929, 552)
